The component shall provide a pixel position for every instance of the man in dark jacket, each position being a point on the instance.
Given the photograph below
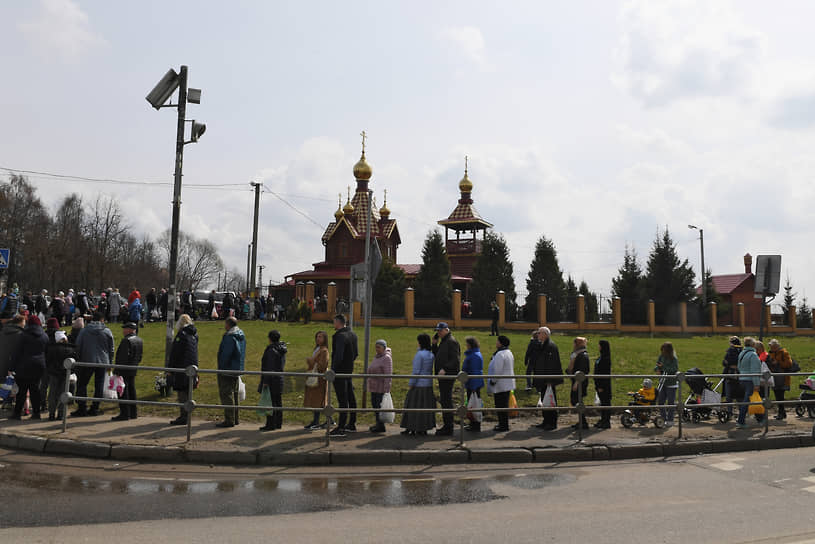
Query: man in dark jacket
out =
(274, 360)
(10, 337)
(495, 314)
(546, 362)
(528, 359)
(152, 303)
(94, 344)
(231, 354)
(183, 354)
(28, 364)
(446, 362)
(730, 365)
(128, 355)
(344, 351)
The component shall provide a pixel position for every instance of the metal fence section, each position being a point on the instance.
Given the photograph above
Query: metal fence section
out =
(192, 372)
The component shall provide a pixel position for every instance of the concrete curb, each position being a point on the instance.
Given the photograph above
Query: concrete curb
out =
(173, 454)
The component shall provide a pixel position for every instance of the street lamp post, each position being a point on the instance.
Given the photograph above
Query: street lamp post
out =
(704, 273)
(158, 98)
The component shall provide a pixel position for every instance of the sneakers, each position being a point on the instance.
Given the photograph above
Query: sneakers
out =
(498, 429)
(79, 413)
(224, 424)
(337, 432)
(179, 421)
(444, 431)
(351, 428)
(602, 425)
(119, 418)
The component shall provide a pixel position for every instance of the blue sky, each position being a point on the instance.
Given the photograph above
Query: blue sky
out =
(594, 123)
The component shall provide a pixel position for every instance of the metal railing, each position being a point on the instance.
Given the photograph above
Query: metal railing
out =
(192, 372)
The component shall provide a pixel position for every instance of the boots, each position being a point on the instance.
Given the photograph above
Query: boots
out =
(270, 426)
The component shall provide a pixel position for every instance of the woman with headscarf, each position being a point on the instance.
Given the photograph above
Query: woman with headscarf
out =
(579, 362)
(779, 360)
(316, 386)
(420, 391)
(183, 354)
(382, 364)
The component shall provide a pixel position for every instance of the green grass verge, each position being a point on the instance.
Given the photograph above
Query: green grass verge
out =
(630, 355)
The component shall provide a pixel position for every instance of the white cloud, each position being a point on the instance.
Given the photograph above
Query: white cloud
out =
(467, 41)
(61, 28)
(651, 141)
(680, 49)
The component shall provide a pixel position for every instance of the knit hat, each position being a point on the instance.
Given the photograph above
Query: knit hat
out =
(52, 323)
(382, 343)
(78, 323)
(34, 320)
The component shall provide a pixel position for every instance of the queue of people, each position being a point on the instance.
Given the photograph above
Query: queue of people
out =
(34, 355)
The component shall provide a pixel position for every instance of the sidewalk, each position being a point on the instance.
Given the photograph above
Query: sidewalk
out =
(152, 439)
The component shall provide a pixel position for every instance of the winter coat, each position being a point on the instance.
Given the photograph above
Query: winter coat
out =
(232, 351)
(28, 362)
(749, 363)
(422, 366)
(129, 354)
(580, 363)
(94, 344)
(57, 307)
(780, 361)
(115, 303)
(447, 356)
(55, 355)
(546, 362)
(382, 364)
(314, 397)
(184, 353)
(501, 364)
(602, 366)
(10, 337)
(274, 360)
(10, 306)
(473, 365)
(730, 363)
(344, 351)
(134, 310)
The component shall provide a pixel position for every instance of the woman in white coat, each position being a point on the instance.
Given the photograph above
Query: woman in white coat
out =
(501, 364)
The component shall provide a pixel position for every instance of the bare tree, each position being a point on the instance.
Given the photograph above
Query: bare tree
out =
(198, 260)
(234, 281)
(21, 218)
(104, 225)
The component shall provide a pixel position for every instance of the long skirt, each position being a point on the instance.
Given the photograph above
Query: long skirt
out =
(419, 397)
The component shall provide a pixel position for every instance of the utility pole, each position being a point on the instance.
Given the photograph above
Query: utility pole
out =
(179, 162)
(260, 278)
(368, 297)
(255, 237)
(704, 272)
(248, 264)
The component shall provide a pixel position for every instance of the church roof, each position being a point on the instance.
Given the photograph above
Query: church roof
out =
(465, 217)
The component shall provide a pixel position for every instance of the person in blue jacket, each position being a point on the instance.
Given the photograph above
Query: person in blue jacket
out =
(749, 363)
(231, 355)
(473, 365)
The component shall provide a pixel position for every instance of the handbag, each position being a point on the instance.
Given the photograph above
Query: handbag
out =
(549, 398)
(266, 402)
(241, 390)
(387, 404)
(513, 403)
(313, 381)
(474, 407)
(755, 409)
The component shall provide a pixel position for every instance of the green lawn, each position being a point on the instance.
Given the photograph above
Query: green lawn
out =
(630, 355)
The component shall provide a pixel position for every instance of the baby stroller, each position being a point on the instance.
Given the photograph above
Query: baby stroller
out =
(807, 393)
(8, 392)
(641, 415)
(702, 392)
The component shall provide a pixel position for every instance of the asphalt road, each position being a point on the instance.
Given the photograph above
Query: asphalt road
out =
(747, 497)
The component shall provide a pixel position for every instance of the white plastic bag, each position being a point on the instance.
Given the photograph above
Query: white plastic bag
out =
(771, 381)
(387, 404)
(474, 407)
(214, 314)
(241, 390)
(548, 399)
(110, 387)
(597, 401)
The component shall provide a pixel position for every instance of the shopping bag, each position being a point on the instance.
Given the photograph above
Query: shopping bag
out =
(597, 399)
(387, 404)
(214, 314)
(241, 390)
(474, 407)
(110, 387)
(755, 409)
(549, 398)
(266, 401)
(6, 388)
(513, 403)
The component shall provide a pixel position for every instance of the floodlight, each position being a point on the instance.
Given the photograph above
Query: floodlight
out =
(163, 89)
(197, 130)
(194, 96)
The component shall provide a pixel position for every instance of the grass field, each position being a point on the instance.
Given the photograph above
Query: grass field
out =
(630, 355)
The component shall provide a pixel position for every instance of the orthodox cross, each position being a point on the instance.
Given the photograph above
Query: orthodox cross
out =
(465, 163)
(364, 136)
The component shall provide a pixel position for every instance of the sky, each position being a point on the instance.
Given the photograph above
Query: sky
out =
(594, 123)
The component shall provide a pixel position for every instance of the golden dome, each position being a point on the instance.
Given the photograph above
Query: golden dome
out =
(384, 211)
(362, 170)
(338, 213)
(465, 185)
(348, 209)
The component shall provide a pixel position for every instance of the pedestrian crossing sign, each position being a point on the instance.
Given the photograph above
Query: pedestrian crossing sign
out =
(4, 255)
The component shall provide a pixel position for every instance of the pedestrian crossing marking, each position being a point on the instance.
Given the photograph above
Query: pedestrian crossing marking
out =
(810, 479)
(811, 489)
(727, 466)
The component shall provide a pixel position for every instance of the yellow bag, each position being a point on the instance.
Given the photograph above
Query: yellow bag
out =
(755, 409)
(513, 403)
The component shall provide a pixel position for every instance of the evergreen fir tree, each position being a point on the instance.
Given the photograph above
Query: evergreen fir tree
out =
(804, 315)
(571, 300)
(789, 301)
(545, 278)
(591, 300)
(629, 287)
(668, 281)
(433, 280)
(389, 290)
(493, 272)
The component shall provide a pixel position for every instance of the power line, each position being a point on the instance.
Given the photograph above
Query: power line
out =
(50, 176)
(292, 206)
